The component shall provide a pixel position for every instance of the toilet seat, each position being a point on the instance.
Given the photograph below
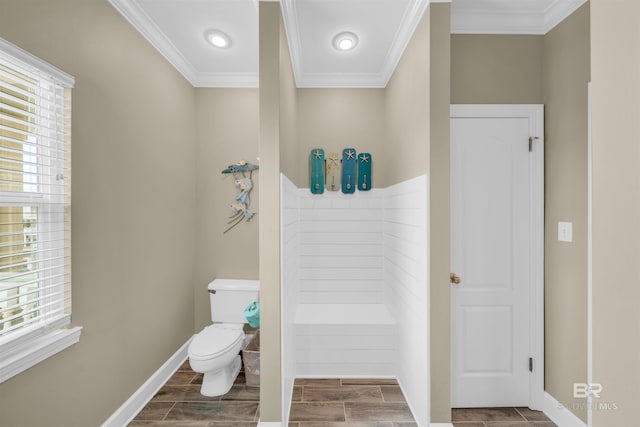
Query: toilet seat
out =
(213, 341)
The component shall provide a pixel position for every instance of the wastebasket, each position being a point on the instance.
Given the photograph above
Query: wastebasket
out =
(251, 360)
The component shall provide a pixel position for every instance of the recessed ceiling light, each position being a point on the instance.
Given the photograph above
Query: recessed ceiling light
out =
(217, 38)
(345, 41)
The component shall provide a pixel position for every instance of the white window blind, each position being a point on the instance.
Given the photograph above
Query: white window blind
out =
(35, 227)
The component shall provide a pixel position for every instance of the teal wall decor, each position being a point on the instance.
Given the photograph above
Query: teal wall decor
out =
(317, 170)
(364, 171)
(240, 208)
(349, 170)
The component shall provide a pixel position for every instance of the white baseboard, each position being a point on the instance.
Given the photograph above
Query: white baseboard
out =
(559, 414)
(272, 424)
(145, 393)
(440, 424)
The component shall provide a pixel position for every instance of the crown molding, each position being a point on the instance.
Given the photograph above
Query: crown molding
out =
(483, 21)
(291, 28)
(310, 80)
(141, 21)
(409, 22)
(225, 80)
(503, 21)
(558, 11)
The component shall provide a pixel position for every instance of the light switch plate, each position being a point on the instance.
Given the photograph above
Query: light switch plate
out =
(565, 231)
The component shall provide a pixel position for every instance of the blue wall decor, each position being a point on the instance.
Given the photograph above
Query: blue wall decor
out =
(317, 169)
(364, 171)
(349, 170)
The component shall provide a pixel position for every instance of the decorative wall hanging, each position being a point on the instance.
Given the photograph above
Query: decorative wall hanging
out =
(364, 171)
(317, 171)
(348, 170)
(240, 208)
(334, 172)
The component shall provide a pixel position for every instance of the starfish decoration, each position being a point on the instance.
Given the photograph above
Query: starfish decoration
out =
(350, 154)
(334, 159)
(364, 159)
(317, 154)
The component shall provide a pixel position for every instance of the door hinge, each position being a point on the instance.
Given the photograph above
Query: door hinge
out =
(531, 138)
(531, 364)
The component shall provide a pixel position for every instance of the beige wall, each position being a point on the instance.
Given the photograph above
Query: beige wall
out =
(566, 74)
(407, 109)
(439, 214)
(552, 69)
(290, 163)
(133, 212)
(227, 131)
(335, 119)
(269, 240)
(615, 71)
(496, 69)
(417, 101)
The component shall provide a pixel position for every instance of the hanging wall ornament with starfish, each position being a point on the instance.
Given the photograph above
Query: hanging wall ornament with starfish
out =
(316, 171)
(364, 171)
(334, 172)
(349, 168)
(240, 208)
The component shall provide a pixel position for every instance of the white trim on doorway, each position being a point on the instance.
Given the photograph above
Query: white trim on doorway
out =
(535, 114)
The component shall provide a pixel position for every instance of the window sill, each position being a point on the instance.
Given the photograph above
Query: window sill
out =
(37, 350)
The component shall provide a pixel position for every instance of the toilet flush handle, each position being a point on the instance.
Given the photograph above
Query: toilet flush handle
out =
(212, 291)
(454, 278)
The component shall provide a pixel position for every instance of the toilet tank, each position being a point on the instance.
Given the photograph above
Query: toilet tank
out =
(229, 298)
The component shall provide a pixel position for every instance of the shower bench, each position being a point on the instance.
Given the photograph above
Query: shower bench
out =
(346, 340)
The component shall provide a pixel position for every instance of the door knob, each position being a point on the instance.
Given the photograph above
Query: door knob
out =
(454, 278)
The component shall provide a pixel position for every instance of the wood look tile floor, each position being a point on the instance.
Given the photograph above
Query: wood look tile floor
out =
(349, 402)
(179, 403)
(499, 417)
(316, 403)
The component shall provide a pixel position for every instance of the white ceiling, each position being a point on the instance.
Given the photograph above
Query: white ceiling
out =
(176, 29)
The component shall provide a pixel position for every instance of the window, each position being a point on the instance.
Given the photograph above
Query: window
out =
(35, 226)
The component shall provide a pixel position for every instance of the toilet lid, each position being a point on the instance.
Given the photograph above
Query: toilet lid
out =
(212, 341)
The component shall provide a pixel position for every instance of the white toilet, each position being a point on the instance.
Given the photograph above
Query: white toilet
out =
(214, 351)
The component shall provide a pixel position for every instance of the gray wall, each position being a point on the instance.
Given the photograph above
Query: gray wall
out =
(133, 212)
(566, 75)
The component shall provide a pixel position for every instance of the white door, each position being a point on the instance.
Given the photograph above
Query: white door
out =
(494, 250)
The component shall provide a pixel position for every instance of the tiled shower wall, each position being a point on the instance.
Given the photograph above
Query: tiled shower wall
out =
(290, 249)
(365, 248)
(341, 249)
(406, 270)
